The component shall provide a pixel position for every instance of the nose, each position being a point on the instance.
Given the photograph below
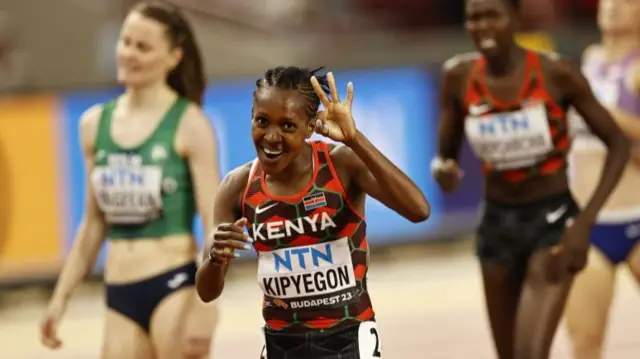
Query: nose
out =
(126, 52)
(272, 136)
(482, 24)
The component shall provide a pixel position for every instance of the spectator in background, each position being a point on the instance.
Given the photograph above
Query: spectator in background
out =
(13, 62)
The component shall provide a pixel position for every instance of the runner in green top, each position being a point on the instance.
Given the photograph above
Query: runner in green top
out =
(151, 163)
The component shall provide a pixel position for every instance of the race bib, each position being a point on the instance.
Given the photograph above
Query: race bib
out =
(313, 276)
(369, 343)
(128, 192)
(511, 140)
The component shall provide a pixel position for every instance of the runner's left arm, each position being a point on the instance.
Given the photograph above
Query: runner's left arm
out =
(377, 176)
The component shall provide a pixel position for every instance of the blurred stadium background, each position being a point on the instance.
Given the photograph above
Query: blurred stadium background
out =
(56, 59)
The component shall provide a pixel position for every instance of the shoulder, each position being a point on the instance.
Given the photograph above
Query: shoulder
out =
(455, 72)
(591, 53)
(194, 121)
(562, 72)
(458, 66)
(339, 151)
(343, 157)
(195, 134)
(89, 124)
(234, 183)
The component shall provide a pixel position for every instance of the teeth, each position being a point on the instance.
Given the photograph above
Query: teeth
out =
(272, 153)
(487, 43)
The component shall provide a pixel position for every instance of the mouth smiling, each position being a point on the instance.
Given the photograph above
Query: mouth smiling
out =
(487, 43)
(272, 154)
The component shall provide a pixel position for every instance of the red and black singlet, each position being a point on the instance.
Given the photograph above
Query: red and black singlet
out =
(518, 139)
(312, 251)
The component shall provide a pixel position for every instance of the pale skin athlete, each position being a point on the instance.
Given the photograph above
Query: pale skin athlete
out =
(181, 325)
(593, 289)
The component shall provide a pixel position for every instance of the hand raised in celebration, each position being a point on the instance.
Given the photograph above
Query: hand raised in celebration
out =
(336, 121)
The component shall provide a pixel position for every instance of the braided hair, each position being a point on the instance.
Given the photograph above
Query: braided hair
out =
(296, 79)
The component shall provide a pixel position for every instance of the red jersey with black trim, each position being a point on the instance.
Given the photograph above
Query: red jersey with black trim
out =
(518, 139)
(312, 251)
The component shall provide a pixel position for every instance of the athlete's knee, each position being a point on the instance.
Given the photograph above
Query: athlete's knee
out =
(532, 348)
(530, 352)
(587, 345)
(118, 351)
(189, 349)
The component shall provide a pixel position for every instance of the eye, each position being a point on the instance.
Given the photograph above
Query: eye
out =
(289, 126)
(260, 121)
(143, 47)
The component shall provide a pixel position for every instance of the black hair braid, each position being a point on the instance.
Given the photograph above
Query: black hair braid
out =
(296, 79)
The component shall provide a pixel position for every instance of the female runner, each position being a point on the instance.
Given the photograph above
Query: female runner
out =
(613, 69)
(151, 164)
(511, 103)
(303, 205)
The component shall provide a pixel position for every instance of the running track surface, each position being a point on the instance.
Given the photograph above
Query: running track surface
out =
(428, 301)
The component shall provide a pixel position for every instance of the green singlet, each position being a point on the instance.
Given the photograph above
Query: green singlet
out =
(144, 191)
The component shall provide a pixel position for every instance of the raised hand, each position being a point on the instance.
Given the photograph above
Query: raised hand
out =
(336, 121)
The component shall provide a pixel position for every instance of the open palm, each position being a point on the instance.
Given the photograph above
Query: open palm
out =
(336, 121)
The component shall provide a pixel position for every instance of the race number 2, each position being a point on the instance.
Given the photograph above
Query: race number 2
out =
(369, 344)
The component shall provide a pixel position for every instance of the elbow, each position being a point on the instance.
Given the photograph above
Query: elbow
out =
(419, 217)
(620, 146)
(206, 297)
(421, 211)
(206, 292)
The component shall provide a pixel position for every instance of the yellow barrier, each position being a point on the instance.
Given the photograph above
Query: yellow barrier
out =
(30, 223)
(538, 41)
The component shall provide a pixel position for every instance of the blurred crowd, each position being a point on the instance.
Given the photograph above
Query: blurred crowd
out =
(380, 14)
(13, 61)
(275, 18)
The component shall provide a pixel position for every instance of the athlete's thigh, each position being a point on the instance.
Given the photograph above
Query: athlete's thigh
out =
(541, 306)
(591, 293)
(169, 321)
(634, 257)
(361, 342)
(502, 288)
(125, 339)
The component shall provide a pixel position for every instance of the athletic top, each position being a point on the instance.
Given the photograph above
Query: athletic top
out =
(144, 191)
(609, 83)
(519, 139)
(313, 254)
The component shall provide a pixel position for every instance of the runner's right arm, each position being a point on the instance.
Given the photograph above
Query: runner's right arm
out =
(227, 210)
(91, 233)
(451, 128)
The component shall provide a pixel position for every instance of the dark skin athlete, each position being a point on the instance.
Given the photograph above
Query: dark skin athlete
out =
(280, 122)
(524, 307)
